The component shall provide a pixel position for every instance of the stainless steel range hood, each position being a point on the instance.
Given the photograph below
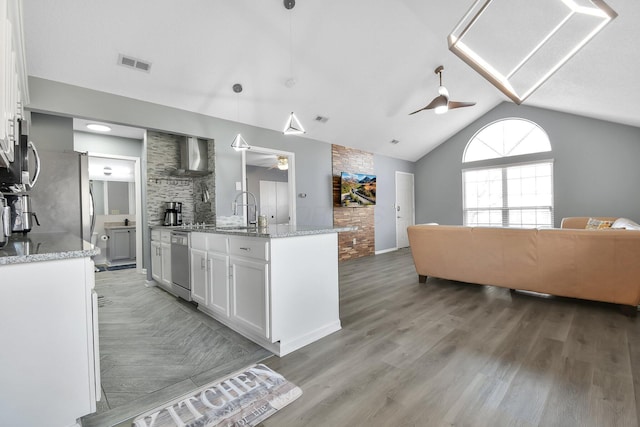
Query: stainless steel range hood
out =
(194, 158)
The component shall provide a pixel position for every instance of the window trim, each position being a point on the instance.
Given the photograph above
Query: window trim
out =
(473, 137)
(504, 209)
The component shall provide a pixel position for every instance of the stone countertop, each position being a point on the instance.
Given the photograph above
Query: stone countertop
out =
(45, 247)
(272, 231)
(119, 227)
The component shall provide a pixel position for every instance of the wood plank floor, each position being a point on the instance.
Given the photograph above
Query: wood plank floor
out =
(154, 347)
(453, 354)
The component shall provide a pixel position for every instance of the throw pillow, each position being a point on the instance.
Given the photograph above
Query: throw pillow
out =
(597, 224)
(625, 223)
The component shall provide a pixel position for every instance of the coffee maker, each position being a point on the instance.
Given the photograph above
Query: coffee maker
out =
(21, 214)
(173, 213)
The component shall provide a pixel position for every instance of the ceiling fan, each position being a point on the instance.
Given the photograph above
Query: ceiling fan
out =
(282, 163)
(441, 103)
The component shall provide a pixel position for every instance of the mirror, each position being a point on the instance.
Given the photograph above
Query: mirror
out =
(268, 174)
(113, 197)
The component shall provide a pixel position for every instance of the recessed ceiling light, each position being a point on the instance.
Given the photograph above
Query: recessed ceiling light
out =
(98, 128)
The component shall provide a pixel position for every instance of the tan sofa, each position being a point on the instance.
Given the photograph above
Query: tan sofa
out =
(600, 265)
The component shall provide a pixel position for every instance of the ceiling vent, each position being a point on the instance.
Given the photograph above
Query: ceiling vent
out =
(130, 62)
(322, 119)
(394, 141)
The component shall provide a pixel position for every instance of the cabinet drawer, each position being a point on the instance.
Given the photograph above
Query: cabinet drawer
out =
(199, 241)
(155, 235)
(217, 243)
(249, 248)
(165, 236)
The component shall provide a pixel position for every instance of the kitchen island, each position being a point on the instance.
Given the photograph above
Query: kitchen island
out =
(277, 286)
(48, 330)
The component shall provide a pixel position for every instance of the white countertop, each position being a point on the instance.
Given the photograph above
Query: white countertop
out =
(45, 247)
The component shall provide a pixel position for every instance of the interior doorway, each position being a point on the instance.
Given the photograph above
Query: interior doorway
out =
(405, 207)
(117, 193)
(270, 176)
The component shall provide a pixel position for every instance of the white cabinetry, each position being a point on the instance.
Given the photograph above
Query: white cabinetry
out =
(210, 272)
(161, 258)
(250, 305)
(282, 293)
(218, 279)
(199, 267)
(49, 349)
(121, 246)
(13, 79)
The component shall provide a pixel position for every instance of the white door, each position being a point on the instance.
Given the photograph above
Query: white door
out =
(405, 207)
(250, 295)
(198, 261)
(218, 278)
(268, 200)
(156, 261)
(282, 203)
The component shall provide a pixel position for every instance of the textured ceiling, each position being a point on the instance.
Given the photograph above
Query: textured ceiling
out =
(363, 64)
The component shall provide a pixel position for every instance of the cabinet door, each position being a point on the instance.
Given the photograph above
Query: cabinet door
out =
(132, 244)
(198, 267)
(165, 249)
(250, 295)
(156, 261)
(119, 245)
(218, 275)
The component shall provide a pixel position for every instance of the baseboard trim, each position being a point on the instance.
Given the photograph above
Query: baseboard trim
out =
(384, 251)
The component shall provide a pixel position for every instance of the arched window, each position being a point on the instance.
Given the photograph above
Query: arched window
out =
(505, 138)
(508, 195)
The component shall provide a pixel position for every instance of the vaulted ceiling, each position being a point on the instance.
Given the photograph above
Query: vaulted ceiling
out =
(363, 64)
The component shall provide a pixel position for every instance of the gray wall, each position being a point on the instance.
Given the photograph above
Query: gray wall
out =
(51, 133)
(105, 144)
(596, 169)
(385, 212)
(313, 158)
(313, 165)
(56, 196)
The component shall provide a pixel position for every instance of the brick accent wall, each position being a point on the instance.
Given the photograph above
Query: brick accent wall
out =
(355, 161)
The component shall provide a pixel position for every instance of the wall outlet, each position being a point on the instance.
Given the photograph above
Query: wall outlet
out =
(238, 185)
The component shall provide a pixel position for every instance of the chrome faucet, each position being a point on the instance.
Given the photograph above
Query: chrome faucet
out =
(254, 204)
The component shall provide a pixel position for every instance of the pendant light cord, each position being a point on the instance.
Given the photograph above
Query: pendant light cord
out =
(290, 45)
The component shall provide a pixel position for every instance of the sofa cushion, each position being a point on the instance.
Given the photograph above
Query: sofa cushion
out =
(625, 223)
(597, 224)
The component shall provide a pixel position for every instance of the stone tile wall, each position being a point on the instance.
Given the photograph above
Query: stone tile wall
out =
(355, 161)
(163, 156)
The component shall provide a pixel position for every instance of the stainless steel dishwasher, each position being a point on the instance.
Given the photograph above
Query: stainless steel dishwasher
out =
(180, 264)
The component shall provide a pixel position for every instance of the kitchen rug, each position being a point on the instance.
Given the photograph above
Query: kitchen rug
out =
(244, 398)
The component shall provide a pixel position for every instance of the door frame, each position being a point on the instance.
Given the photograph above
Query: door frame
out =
(137, 175)
(395, 205)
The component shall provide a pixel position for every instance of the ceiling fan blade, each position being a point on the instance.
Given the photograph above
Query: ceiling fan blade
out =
(436, 102)
(459, 104)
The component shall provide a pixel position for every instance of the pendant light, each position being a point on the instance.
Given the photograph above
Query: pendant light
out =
(238, 144)
(293, 125)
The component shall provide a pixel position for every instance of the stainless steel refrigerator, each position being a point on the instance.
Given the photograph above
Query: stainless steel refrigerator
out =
(61, 198)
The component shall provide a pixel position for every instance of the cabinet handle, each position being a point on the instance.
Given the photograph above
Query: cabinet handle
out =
(246, 249)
